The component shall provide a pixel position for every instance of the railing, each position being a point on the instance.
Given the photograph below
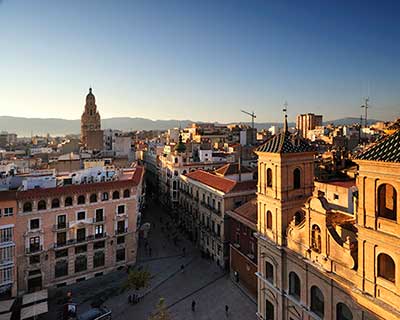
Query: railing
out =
(99, 219)
(33, 249)
(8, 260)
(121, 231)
(61, 226)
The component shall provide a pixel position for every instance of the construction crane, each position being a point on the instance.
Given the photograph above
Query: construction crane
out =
(366, 106)
(252, 115)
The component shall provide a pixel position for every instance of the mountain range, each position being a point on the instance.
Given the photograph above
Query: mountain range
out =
(41, 126)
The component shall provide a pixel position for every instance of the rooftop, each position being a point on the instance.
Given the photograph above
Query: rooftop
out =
(230, 169)
(220, 183)
(285, 142)
(385, 149)
(248, 211)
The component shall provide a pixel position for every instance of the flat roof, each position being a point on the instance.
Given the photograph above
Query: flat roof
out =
(5, 316)
(34, 296)
(6, 305)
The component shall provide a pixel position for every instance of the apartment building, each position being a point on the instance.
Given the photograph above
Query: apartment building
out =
(306, 122)
(8, 261)
(81, 228)
(203, 201)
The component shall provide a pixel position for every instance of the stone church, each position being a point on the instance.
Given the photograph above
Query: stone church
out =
(317, 262)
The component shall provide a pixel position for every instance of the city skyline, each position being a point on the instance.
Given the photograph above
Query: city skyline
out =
(202, 61)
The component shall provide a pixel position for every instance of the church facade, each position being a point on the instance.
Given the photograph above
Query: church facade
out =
(91, 133)
(316, 262)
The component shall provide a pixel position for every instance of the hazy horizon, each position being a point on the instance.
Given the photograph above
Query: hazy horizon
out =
(199, 60)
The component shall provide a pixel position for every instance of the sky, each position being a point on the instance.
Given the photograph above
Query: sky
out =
(199, 60)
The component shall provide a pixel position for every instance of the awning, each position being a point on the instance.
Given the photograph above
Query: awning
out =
(6, 305)
(5, 316)
(34, 297)
(34, 310)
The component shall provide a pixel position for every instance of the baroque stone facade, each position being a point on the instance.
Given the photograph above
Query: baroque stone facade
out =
(316, 261)
(90, 119)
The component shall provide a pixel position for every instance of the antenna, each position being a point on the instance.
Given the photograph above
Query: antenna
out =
(366, 106)
(285, 125)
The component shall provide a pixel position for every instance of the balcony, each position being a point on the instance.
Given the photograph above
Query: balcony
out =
(121, 230)
(34, 249)
(6, 261)
(99, 219)
(60, 226)
(100, 235)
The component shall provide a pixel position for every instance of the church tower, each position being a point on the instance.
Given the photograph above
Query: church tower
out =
(285, 181)
(90, 120)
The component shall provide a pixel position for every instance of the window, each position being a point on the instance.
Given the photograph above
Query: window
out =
(218, 230)
(335, 196)
(386, 267)
(61, 238)
(68, 202)
(127, 193)
(343, 312)
(115, 195)
(298, 217)
(120, 226)
(269, 220)
(98, 259)
(8, 212)
(81, 199)
(27, 207)
(34, 244)
(120, 254)
(61, 253)
(294, 285)
(104, 196)
(80, 249)
(61, 268)
(121, 209)
(34, 259)
(296, 178)
(80, 263)
(387, 199)
(93, 198)
(269, 272)
(120, 240)
(317, 301)
(174, 185)
(98, 231)
(81, 234)
(6, 254)
(269, 178)
(316, 238)
(34, 224)
(61, 221)
(6, 235)
(41, 205)
(99, 245)
(81, 215)
(269, 311)
(99, 215)
(55, 203)
(6, 274)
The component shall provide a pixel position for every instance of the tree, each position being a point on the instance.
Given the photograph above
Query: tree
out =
(137, 279)
(161, 312)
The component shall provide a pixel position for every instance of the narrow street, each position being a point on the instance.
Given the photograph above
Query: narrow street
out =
(200, 280)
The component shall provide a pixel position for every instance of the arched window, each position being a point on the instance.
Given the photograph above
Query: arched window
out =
(68, 201)
(296, 178)
(343, 312)
(317, 301)
(115, 194)
(269, 311)
(41, 205)
(316, 238)
(386, 267)
(269, 178)
(176, 160)
(27, 207)
(294, 285)
(269, 220)
(104, 196)
(127, 193)
(93, 198)
(55, 203)
(81, 199)
(298, 217)
(387, 199)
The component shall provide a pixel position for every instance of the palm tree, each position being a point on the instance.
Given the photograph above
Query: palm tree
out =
(161, 312)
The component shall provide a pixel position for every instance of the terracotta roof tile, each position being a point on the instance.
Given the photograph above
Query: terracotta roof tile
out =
(248, 211)
(230, 169)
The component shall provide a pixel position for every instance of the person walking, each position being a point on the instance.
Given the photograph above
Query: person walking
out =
(150, 251)
(193, 305)
(226, 309)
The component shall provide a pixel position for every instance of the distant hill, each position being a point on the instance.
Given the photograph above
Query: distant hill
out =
(28, 126)
(348, 121)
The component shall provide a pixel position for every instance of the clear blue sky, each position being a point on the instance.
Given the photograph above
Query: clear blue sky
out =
(199, 60)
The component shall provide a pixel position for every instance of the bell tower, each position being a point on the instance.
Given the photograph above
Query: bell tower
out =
(90, 120)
